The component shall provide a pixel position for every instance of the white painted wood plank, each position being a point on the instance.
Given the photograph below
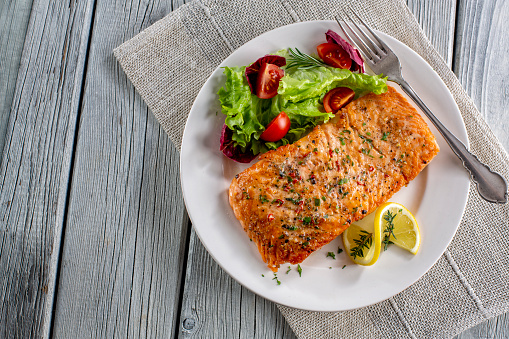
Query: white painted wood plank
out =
(481, 59)
(126, 228)
(36, 161)
(437, 19)
(216, 306)
(13, 28)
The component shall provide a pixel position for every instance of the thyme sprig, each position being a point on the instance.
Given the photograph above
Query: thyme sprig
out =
(365, 241)
(301, 60)
(389, 229)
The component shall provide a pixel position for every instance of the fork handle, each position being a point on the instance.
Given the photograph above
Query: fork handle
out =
(490, 185)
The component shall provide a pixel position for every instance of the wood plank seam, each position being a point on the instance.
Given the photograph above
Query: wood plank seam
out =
(178, 312)
(70, 151)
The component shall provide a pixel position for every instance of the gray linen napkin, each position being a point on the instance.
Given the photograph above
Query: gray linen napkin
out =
(169, 62)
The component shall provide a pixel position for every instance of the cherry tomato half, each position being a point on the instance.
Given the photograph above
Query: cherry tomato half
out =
(268, 81)
(277, 128)
(337, 98)
(334, 55)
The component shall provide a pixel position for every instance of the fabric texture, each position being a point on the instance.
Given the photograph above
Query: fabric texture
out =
(169, 62)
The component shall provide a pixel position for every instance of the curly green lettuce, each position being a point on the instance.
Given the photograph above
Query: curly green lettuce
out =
(300, 96)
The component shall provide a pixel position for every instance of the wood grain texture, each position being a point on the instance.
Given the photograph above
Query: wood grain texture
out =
(13, 28)
(36, 164)
(216, 306)
(481, 59)
(437, 20)
(126, 228)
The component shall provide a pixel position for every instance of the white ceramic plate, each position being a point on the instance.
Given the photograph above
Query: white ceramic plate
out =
(437, 197)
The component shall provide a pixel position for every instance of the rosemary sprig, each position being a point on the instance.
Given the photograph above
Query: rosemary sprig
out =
(301, 60)
(389, 229)
(365, 241)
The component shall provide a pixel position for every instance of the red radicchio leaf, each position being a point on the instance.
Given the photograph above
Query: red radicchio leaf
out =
(231, 151)
(358, 63)
(252, 71)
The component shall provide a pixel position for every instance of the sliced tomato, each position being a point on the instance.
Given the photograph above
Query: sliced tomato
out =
(268, 81)
(334, 55)
(277, 128)
(337, 98)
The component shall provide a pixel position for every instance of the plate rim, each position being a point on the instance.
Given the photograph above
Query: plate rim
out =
(463, 138)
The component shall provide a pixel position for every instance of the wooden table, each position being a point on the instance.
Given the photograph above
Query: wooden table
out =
(95, 240)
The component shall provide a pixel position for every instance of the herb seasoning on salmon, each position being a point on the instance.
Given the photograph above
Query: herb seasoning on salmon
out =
(299, 197)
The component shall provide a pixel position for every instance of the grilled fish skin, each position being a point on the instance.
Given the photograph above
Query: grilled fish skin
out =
(299, 197)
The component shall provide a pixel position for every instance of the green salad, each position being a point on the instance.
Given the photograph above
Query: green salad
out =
(300, 94)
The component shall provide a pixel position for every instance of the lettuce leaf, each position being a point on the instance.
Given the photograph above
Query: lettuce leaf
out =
(300, 96)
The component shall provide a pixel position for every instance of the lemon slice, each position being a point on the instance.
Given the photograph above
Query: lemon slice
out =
(362, 246)
(405, 233)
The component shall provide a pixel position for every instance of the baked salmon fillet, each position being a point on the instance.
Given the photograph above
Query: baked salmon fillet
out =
(299, 197)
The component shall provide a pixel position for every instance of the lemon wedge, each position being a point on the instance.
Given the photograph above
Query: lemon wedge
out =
(362, 247)
(405, 231)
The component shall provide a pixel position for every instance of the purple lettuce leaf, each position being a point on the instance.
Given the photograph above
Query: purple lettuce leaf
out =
(252, 70)
(358, 62)
(230, 150)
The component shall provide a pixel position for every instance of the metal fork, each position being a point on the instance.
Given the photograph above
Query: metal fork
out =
(381, 59)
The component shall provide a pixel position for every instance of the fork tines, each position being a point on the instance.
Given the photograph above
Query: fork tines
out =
(370, 49)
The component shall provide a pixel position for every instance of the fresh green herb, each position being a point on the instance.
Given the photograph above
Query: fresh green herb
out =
(263, 198)
(302, 60)
(343, 267)
(290, 228)
(331, 254)
(306, 221)
(350, 159)
(281, 236)
(246, 195)
(343, 181)
(294, 201)
(276, 279)
(289, 269)
(317, 201)
(364, 139)
(324, 198)
(299, 269)
(340, 250)
(364, 242)
(366, 152)
(315, 149)
(336, 150)
(305, 243)
(263, 276)
(384, 137)
(389, 229)
(342, 140)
